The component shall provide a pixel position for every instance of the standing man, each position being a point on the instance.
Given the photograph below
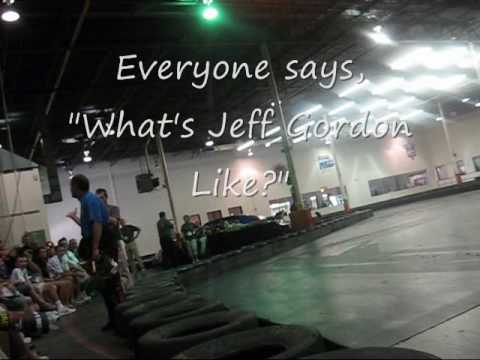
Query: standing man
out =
(114, 223)
(129, 234)
(98, 244)
(167, 240)
(189, 234)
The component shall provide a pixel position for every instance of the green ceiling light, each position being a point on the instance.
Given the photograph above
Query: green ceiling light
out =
(210, 13)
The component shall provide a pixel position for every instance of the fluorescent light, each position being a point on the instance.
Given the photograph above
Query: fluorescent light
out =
(341, 108)
(452, 81)
(10, 15)
(354, 88)
(414, 57)
(270, 143)
(304, 126)
(388, 117)
(250, 152)
(388, 86)
(378, 28)
(301, 138)
(380, 38)
(477, 105)
(402, 102)
(439, 118)
(87, 159)
(314, 109)
(412, 114)
(209, 143)
(466, 100)
(246, 145)
(422, 83)
(273, 131)
(69, 141)
(375, 105)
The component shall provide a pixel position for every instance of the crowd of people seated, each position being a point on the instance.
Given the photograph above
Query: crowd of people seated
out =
(38, 286)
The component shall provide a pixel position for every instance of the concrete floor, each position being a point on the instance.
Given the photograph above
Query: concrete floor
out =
(409, 276)
(80, 337)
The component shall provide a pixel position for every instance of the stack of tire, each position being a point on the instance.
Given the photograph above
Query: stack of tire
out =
(162, 320)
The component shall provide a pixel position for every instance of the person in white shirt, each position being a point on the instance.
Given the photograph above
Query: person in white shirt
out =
(21, 280)
(60, 268)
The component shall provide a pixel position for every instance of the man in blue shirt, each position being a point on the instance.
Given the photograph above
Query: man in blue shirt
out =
(100, 244)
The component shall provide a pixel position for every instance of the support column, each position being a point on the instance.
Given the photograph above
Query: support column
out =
(476, 59)
(346, 201)
(451, 152)
(163, 164)
(112, 187)
(286, 145)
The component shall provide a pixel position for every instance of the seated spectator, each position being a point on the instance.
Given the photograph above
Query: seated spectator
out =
(73, 248)
(59, 268)
(9, 322)
(22, 282)
(65, 287)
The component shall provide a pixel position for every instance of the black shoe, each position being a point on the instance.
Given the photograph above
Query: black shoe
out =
(108, 327)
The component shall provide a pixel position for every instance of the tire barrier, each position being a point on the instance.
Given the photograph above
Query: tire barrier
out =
(144, 294)
(145, 290)
(148, 297)
(374, 353)
(124, 318)
(179, 336)
(278, 342)
(191, 306)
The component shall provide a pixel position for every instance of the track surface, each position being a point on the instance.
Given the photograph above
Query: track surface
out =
(408, 276)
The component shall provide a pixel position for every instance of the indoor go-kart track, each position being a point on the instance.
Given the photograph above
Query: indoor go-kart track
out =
(409, 276)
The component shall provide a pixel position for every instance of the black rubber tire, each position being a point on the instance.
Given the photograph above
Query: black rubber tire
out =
(147, 306)
(147, 297)
(275, 342)
(123, 319)
(172, 339)
(153, 285)
(145, 294)
(190, 307)
(374, 353)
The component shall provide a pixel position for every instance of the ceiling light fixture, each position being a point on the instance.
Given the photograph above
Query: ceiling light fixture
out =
(70, 141)
(301, 138)
(270, 143)
(9, 14)
(388, 86)
(402, 102)
(272, 131)
(209, 143)
(314, 109)
(412, 58)
(466, 100)
(341, 108)
(250, 153)
(388, 117)
(246, 145)
(374, 105)
(355, 88)
(412, 114)
(380, 37)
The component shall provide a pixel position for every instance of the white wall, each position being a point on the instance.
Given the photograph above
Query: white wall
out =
(359, 160)
(22, 212)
